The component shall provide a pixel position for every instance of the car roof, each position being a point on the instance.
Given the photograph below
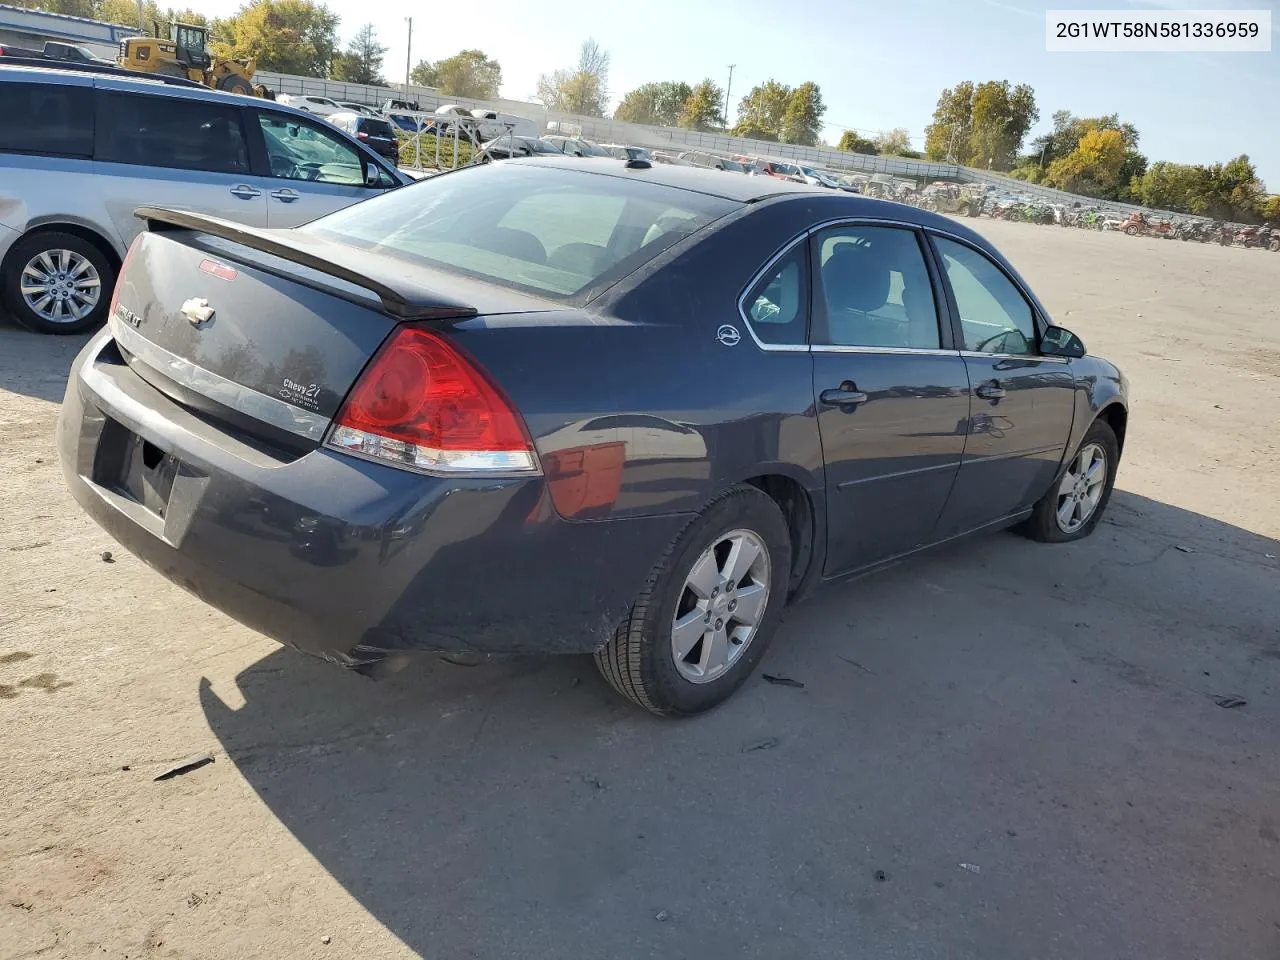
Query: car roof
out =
(698, 179)
(103, 81)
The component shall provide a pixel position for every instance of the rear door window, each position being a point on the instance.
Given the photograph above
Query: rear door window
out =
(553, 232)
(162, 131)
(47, 119)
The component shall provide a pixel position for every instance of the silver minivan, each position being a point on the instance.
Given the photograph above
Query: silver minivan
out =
(79, 152)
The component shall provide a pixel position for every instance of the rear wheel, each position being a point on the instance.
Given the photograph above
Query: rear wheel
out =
(707, 612)
(56, 282)
(1074, 505)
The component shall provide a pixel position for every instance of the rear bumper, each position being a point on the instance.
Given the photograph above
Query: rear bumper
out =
(346, 559)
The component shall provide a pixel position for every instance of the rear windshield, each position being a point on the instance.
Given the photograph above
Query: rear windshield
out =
(733, 165)
(376, 128)
(549, 231)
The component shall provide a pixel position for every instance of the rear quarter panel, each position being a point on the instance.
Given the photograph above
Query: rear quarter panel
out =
(635, 407)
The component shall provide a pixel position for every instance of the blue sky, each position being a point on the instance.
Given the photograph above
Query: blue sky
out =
(880, 65)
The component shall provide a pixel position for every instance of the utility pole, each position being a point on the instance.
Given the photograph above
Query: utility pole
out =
(727, 87)
(408, 56)
(142, 18)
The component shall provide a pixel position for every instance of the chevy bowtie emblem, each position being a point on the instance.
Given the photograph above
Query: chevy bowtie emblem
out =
(197, 310)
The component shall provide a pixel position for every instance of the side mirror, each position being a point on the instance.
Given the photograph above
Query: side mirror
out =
(1061, 342)
(372, 176)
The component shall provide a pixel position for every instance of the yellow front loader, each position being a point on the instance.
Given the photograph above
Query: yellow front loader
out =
(185, 54)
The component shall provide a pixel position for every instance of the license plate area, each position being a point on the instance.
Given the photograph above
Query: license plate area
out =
(135, 468)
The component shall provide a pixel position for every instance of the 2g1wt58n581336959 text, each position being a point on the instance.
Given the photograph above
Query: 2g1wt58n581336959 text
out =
(1153, 31)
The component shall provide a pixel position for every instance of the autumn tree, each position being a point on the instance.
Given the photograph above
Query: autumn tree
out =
(361, 62)
(895, 142)
(850, 141)
(656, 104)
(286, 36)
(584, 89)
(1270, 209)
(1092, 167)
(802, 120)
(703, 107)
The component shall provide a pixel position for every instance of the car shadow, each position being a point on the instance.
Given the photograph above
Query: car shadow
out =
(989, 743)
(35, 364)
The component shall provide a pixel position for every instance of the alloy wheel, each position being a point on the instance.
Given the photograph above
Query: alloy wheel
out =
(60, 286)
(1081, 488)
(721, 605)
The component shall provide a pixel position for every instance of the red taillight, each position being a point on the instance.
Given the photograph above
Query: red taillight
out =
(423, 404)
(115, 293)
(362, 135)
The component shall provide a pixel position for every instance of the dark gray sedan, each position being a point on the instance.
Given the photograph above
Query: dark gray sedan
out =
(575, 406)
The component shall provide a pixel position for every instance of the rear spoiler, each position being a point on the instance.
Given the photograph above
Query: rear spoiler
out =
(388, 280)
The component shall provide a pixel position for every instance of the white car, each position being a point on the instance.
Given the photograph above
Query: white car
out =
(359, 108)
(320, 106)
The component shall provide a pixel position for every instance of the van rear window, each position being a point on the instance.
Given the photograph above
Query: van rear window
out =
(553, 232)
(48, 119)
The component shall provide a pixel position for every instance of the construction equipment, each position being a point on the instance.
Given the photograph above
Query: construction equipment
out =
(184, 53)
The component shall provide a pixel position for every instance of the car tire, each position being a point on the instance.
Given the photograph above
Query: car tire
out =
(27, 251)
(1046, 522)
(641, 660)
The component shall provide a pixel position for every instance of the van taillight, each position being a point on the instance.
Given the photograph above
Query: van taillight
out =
(423, 404)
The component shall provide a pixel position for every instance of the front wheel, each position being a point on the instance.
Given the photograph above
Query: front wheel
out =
(708, 610)
(1074, 505)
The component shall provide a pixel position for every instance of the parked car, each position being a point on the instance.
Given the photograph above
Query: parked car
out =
(359, 108)
(320, 106)
(623, 152)
(782, 171)
(818, 178)
(374, 132)
(534, 421)
(575, 146)
(700, 158)
(92, 148)
(505, 147)
(72, 53)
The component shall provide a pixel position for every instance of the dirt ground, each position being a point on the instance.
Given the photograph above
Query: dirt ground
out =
(1003, 750)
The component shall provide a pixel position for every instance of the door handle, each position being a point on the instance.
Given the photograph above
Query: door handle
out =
(245, 192)
(990, 391)
(286, 195)
(847, 395)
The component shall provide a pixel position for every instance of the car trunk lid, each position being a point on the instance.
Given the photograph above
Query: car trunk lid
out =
(265, 332)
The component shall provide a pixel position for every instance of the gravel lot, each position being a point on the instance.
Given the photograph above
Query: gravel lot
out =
(1023, 738)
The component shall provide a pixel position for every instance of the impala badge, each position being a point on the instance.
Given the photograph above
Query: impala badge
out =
(728, 335)
(197, 311)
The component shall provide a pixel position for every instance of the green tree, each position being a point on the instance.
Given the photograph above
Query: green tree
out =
(424, 75)
(947, 137)
(762, 110)
(1228, 191)
(469, 73)
(802, 120)
(584, 89)
(1270, 209)
(850, 141)
(286, 36)
(702, 108)
(657, 104)
(895, 142)
(361, 62)
(1064, 139)
(981, 124)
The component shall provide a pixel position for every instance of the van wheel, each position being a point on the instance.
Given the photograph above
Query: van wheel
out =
(707, 612)
(57, 283)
